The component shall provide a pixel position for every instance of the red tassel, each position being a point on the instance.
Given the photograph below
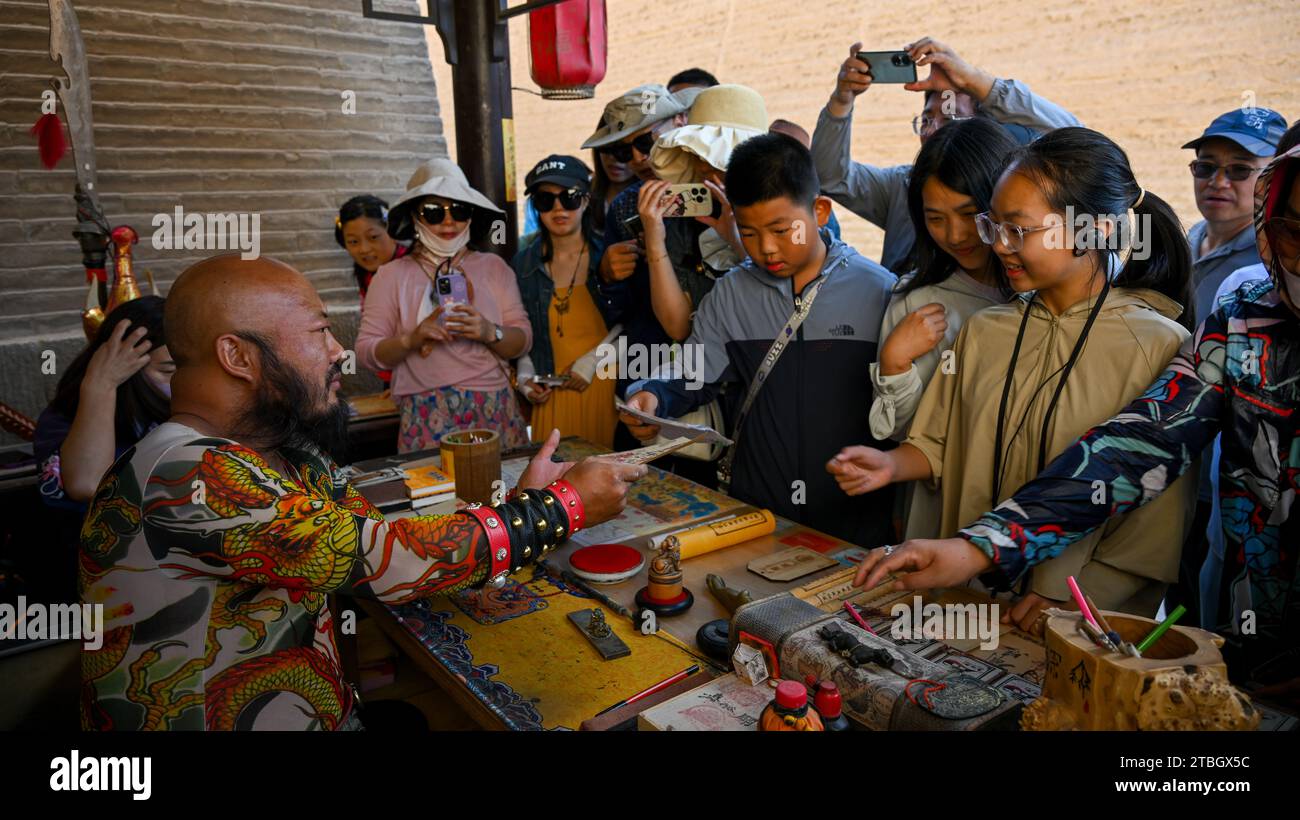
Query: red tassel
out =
(48, 131)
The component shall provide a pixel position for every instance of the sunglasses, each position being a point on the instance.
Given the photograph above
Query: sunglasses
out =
(433, 213)
(622, 151)
(570, 200)
(1237, 172)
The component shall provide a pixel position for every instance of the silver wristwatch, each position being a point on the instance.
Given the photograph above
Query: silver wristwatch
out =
(497, 333)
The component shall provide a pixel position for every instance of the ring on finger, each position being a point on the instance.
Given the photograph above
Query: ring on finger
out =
(889, 549)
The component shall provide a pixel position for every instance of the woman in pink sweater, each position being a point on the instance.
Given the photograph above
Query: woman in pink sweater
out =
(448, 365)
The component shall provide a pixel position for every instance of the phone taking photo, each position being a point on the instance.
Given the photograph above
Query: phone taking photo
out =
(450, 289)
(889, 66)
(690, 199)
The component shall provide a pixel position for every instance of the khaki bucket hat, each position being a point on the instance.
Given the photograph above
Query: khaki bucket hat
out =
(634, 111)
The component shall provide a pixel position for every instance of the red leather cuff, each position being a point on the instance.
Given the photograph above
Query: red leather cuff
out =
(498, 541)
(572, 504)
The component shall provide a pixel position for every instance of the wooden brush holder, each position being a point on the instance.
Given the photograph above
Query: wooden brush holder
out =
(473, 459)
(1180, 682)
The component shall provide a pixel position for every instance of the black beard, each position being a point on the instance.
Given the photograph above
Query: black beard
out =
(278, 418)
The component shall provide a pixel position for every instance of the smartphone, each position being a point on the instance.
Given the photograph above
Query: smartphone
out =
(889, 66)
(634, 227)
(551, 381)
(450, 289)
(690, 199)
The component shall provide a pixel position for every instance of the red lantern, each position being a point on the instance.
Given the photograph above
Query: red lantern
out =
(567, 48)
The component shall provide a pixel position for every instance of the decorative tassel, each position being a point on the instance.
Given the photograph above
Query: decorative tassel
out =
(48, 131)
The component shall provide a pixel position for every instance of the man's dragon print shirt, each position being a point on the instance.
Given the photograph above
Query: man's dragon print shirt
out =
(213, 571)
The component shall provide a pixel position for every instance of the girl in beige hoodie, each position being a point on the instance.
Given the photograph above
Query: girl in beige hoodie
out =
(1099, 314)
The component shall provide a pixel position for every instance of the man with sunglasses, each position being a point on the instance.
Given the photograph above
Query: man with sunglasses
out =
(955, 90)
(1229, 156)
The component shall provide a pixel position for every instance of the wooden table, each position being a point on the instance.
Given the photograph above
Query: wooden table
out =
(429, 631)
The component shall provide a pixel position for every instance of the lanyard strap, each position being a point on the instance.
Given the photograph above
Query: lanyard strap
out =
(998, 454)
(803, 305)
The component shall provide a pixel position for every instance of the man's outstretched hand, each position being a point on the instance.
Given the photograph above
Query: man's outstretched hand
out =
(603, 484)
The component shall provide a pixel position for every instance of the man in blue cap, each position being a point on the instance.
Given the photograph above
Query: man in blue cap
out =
(1229, 156)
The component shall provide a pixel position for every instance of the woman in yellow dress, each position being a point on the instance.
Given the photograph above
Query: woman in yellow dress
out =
(574, 313)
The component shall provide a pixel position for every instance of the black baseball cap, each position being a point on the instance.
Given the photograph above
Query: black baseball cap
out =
(559, 169)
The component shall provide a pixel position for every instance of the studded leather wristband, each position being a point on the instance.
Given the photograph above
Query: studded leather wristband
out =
(526, 528)
(498, 542)
(571, 504)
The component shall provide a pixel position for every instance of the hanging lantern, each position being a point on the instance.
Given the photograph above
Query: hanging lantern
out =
(567, 43)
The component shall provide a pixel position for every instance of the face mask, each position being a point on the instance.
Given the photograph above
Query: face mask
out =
(436, 244)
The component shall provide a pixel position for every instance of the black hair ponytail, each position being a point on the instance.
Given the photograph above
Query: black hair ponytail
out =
(1083, 170)
(1167, 258)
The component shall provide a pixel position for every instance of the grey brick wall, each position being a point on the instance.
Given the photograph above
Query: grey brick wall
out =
(215, 106)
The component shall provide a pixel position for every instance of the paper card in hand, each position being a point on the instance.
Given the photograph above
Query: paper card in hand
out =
(673, 429)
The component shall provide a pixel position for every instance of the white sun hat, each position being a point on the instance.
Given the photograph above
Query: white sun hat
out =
(721, 118)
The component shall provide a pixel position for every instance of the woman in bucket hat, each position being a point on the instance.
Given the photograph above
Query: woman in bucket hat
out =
(448, 365)
(684, 265)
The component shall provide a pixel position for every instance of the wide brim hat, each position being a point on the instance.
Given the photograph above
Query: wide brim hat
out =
(635, 111)
(721, 118)
(437, 177)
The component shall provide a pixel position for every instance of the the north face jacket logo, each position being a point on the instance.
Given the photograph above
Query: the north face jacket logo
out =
(842, 330)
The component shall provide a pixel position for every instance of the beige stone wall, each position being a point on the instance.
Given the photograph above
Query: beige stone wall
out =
(216, 106)
(1150, 75)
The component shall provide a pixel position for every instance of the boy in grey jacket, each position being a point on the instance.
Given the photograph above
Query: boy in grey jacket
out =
(954, 90)
(817, 394)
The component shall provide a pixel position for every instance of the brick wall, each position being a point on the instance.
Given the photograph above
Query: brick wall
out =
(216, 106)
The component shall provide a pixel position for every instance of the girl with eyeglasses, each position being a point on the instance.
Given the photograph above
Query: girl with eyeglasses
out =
(955, 275)
(571, 311)
(448, 358)
(1099, 312)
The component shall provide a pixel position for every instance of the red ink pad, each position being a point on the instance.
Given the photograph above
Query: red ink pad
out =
(606, 563)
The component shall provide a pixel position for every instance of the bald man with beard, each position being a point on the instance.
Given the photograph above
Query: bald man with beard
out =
(213, 543)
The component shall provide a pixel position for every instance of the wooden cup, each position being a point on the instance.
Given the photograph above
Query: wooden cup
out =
(473, 459)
